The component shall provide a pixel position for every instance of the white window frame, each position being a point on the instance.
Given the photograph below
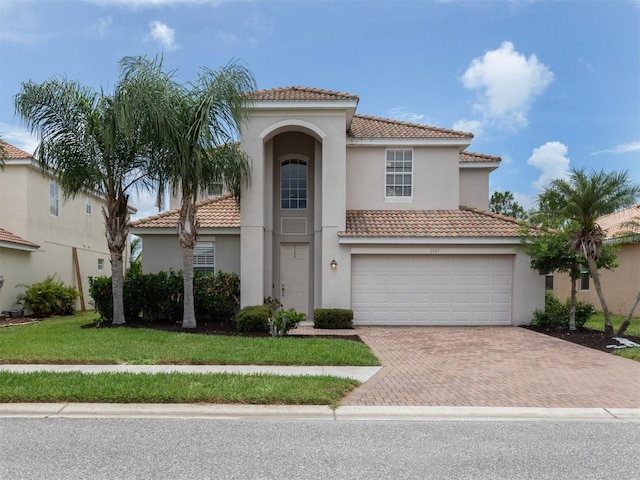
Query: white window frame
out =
(204, 257)
(584, 279)
(100, 264)
(54, 199)
(290, 161)
(398, 174)
(87, 205)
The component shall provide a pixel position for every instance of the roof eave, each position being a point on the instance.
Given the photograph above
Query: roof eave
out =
(429, 240)
(18, 246)
(461, 143)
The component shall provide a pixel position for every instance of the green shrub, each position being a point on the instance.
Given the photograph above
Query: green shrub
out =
(556, 313)
(332, 318)
(253, 318)
(217, 296)
(49, 297)
(285, 320)
(100, 291)
(159, 296)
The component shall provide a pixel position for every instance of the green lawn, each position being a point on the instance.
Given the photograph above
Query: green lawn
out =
(61, 340)
(597, 323)
(173, 388)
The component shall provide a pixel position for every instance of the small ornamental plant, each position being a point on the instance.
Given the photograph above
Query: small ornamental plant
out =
(284, 320)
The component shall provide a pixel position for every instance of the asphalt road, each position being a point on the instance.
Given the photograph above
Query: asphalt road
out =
(173, 448)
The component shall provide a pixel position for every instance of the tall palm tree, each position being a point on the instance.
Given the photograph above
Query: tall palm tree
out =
(196, 131)
(583, 197)
(91, 143)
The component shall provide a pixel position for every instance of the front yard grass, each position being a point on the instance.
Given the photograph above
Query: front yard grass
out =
(62, 341)
(172, 388)
(596, 322)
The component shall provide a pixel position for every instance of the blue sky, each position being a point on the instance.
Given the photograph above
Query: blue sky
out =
(546, 85)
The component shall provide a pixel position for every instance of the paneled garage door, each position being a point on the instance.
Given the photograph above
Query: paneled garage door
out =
(431, 289)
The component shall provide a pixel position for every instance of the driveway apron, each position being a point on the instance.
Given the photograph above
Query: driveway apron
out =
(490, 367)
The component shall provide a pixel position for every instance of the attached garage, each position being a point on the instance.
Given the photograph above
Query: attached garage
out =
(432, 289)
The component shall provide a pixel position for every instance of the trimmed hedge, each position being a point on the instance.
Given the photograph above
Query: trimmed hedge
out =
(253, 318)
(158, 296)
(332, 318)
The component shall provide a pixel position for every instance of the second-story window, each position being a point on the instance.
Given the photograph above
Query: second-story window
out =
(54, 199)
(399, 173)
(87, 206)
(293, 184)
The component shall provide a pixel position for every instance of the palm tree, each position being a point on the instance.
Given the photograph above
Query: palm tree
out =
(583, 198)
(3, 154)
(91, 143)
(196, 131)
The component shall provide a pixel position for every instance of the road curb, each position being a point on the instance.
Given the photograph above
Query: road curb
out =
(315, 412)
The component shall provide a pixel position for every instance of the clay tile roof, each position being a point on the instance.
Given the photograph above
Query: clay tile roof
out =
(470, 157)
(301, 94)
(12, 152)
(218, 212)
(621, 223)
(364, 126)
(9, 237)
(463, 223)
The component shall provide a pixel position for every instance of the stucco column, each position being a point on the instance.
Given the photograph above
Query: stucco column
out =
(252, 219)
(336, 285)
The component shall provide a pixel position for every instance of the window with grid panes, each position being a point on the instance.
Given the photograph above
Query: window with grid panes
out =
(399, 173)
(204, 257)
(293, 185)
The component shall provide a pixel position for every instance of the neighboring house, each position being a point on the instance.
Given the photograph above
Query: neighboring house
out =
(351, 211)
(43, 234)
(621, 285)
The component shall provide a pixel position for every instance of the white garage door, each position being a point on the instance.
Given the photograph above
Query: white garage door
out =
(431, 289)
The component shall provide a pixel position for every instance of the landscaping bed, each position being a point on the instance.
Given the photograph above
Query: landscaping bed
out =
(584, 336)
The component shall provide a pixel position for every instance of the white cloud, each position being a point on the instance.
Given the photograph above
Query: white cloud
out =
(103, 26)
(402, 114)
(474, 126)
(552, 160)
(622, 148)
(19, 137)
(506, 83)
(260, 24)
(145, 202)
(163, 34)
(226, 38)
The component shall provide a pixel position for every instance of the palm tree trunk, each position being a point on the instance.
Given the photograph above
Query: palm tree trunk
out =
(117, 229)
(187, 235)
(117, 288)
(593, 270)
(625, 324)
(189, 317)
(572, 308)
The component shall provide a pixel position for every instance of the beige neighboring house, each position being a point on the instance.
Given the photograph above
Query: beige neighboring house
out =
(352, 211)
(42, 234)
(621, 285)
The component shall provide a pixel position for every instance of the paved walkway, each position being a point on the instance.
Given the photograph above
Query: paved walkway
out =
(490, 367)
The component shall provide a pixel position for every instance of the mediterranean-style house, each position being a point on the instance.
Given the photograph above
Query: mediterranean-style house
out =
(42, 234)
(344, 210)
(622, 284)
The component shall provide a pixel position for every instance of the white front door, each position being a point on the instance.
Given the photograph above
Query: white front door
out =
(294, 276)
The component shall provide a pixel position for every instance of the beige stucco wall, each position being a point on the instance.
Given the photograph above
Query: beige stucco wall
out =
(474, 188)
(620, 286)
(24, 211)
(162, 252)
(435, 179)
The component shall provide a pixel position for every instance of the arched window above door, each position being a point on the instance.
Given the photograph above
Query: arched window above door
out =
(293, 184)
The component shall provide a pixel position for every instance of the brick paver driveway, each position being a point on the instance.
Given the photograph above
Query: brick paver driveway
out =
(493, 367)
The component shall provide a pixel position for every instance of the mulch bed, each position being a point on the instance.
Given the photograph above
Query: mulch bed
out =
(585, 337)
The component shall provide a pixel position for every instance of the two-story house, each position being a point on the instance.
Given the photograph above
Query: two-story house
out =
(384, 217)
(42, 233)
